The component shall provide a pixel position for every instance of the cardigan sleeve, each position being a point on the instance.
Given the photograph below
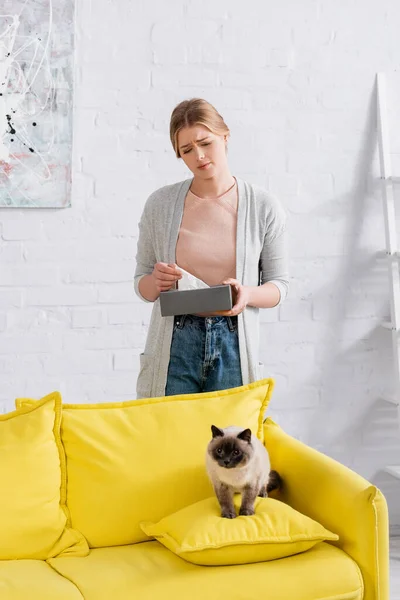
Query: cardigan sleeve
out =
(145, 255)
(273, 258)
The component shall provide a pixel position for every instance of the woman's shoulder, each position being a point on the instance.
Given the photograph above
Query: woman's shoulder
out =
(169, 189)
(266, 201)
(163, 194)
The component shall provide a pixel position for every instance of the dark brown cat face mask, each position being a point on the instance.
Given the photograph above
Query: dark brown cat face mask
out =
(230, 451)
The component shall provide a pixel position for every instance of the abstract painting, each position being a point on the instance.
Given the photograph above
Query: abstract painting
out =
(36, 102)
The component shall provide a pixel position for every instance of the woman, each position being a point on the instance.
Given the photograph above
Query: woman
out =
(222, 230)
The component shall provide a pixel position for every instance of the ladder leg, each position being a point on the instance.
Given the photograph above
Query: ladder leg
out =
(388, 201)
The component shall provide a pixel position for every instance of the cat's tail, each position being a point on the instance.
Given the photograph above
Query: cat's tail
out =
(274, 482)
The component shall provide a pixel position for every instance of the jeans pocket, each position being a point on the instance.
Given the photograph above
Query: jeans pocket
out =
(145, 377)
(179, 322)
(233, 324)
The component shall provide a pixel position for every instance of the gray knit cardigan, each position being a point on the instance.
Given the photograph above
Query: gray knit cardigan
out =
(260, 257)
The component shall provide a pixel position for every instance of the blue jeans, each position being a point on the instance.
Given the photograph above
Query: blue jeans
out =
(204, 355)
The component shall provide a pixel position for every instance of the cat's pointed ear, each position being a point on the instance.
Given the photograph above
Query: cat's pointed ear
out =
(216, 432)
(245, 435)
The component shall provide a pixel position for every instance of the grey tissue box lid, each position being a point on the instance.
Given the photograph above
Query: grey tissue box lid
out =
(186, 302)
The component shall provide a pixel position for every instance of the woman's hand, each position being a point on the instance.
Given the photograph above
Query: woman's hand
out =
(165, 275)
(240, 297)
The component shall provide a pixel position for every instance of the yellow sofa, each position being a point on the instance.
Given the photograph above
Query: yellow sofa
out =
(122, 463)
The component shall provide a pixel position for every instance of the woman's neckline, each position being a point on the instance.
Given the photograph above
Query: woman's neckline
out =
(215, 197)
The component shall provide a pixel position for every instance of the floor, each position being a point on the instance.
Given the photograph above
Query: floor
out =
(395, 568)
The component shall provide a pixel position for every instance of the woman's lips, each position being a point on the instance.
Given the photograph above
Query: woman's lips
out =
(204, 166)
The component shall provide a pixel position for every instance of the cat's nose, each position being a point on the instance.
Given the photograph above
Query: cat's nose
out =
(226, 461)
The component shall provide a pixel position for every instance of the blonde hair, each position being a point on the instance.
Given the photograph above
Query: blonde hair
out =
(195, 111)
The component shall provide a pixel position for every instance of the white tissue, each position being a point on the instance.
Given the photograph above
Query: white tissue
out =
(190, 282)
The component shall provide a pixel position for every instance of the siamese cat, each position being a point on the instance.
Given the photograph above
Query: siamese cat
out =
(237, 461)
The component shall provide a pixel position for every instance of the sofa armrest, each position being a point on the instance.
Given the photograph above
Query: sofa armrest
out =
(338, 498)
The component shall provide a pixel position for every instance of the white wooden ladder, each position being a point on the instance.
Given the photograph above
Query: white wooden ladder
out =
(389, 184)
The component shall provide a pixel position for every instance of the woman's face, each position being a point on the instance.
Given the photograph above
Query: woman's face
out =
(198, 147)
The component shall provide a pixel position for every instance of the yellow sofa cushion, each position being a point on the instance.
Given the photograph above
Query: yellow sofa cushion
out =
(142, 460)
(34, 580)
(200, 535)
(33, 517)
(149, 571)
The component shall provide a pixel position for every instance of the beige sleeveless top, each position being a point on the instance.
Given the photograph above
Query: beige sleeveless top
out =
(206, 245)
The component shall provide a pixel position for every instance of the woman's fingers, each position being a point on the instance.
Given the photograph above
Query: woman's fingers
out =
(230, 281)
(168, 269)
(235, 287)
(166, 272)
(165, 275)
(175, 269)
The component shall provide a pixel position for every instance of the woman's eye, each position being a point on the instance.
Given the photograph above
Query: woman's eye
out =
(206, 144)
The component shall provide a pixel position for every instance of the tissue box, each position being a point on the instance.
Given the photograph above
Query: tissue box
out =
(186, 302)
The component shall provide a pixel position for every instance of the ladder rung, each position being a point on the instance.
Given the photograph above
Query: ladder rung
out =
(391, 179)
(393, 470)
(391, 400)
(386, 254)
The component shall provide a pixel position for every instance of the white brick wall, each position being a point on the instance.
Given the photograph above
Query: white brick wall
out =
(295, 83)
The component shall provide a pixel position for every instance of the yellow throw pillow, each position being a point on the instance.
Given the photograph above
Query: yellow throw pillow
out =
(141, 460)
(34, 521)
(201, 536)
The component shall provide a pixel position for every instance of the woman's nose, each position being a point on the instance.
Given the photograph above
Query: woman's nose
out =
(200, 154)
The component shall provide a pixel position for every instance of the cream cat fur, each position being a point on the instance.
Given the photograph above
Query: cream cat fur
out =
(237, 462)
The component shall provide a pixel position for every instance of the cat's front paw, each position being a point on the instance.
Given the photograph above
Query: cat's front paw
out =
(246, 511)
(228, 514)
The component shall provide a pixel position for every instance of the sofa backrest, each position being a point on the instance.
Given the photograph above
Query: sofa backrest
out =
(140, 460)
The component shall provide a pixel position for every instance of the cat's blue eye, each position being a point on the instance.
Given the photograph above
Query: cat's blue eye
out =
(236, 452)
(219, 451)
